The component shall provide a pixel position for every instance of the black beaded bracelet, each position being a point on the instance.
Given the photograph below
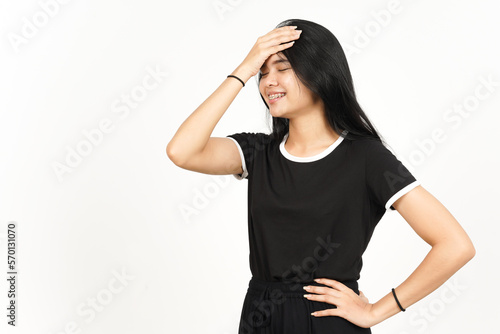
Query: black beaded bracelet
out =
(397, 301)
(234, 76)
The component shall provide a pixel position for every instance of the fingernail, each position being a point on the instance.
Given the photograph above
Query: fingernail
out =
(293, 27)
(306, 287)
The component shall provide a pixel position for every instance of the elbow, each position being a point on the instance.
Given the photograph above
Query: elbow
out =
(172, 155)
(458, 251)
(464, 251)
(467, 249)
(469, 252)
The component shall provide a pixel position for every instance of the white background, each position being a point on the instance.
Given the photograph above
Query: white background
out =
(126, 208)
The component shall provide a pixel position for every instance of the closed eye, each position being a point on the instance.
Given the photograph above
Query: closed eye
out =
(278, 70)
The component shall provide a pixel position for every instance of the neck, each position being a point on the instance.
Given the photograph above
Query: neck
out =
(310, 131)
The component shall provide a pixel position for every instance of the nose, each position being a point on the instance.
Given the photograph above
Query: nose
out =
(269, 80)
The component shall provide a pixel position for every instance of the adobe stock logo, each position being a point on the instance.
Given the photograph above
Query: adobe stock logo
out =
(373, 28)
(123, 108)
(449, 293)
(454, 117)
(32, 26)
(305, 270)
(97, 303)
(202, 197)
(263, 310)
(223, 6)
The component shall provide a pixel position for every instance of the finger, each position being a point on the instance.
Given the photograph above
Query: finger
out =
(333, 283)
(323, 290)
(280, 37)
(328, 312)
(276, 32)
(324, 298)
(281, 47)
(283, 29)
(278, 44)
(286, 37)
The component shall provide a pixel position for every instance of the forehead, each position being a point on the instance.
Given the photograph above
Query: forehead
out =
(274, 60)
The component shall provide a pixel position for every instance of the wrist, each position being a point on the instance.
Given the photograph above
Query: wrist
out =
(383, 309)
(375, 315)
(242, 74)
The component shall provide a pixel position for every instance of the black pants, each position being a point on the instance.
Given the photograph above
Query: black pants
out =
(281, 308)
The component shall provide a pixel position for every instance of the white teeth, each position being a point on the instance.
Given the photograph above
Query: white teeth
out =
(275, 96)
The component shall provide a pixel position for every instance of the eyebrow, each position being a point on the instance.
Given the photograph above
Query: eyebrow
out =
(278, 61)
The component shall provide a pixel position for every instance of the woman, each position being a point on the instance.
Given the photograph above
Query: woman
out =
(318, 186)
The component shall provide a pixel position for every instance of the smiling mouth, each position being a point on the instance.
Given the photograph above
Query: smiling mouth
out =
(275, 97)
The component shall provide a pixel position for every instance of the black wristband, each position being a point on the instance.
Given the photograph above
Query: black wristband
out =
(234, 76)
(397, 301)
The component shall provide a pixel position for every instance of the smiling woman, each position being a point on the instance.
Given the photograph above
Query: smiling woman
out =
(291, 97)
(318, 185)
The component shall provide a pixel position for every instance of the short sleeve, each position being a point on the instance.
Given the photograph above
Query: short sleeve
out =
(249, 145)
(387, 178)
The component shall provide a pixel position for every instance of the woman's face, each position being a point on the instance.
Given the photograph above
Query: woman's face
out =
(279, 78)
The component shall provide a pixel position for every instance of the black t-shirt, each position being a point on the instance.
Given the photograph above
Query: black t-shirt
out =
(312, 217)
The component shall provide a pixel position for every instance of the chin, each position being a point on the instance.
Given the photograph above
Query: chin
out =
(274, 113)
(280, 112)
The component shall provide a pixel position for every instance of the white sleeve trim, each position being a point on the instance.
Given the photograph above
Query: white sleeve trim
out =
(243, 164)
(400, 193)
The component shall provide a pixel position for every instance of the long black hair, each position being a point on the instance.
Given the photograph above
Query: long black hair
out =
(318, 60)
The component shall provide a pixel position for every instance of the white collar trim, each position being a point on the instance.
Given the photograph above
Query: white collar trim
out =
(314, 157)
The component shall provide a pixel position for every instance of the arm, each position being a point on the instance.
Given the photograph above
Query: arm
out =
(194, 133)
(451, 250)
